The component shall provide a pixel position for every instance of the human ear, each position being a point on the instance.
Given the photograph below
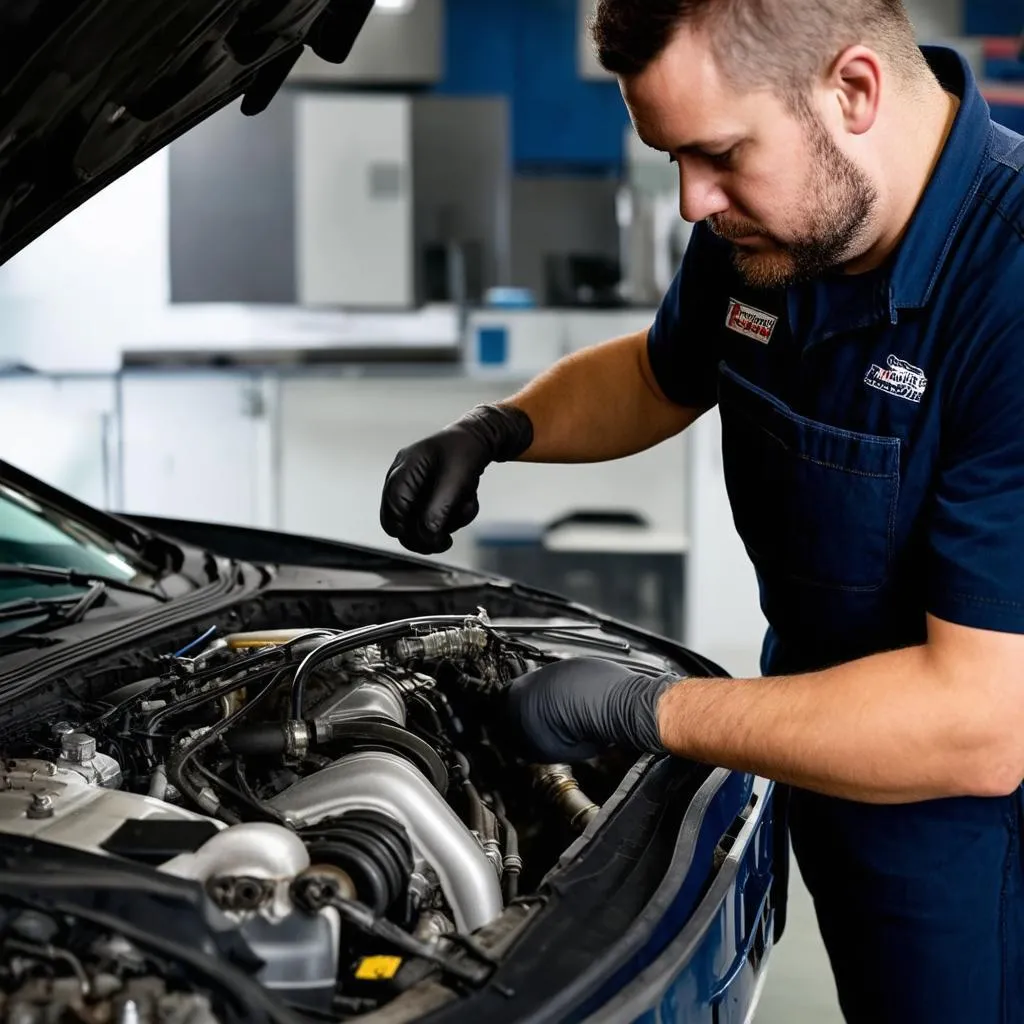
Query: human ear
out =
(855, 82)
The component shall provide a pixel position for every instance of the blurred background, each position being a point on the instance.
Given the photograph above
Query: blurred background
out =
(249, 325)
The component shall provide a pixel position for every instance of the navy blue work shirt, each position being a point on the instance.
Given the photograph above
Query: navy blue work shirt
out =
(873, 424)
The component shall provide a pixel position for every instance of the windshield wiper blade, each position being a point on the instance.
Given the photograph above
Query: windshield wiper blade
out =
(32, 607)
(74, 578)
(63, 610)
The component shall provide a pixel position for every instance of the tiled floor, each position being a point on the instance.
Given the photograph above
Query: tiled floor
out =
(800, 989)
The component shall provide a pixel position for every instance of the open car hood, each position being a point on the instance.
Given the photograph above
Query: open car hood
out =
(91, 88)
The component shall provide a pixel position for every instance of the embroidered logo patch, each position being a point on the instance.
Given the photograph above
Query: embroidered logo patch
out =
(750, 322)
(898, 378)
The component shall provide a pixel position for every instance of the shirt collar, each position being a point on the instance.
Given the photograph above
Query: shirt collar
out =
(951, 190)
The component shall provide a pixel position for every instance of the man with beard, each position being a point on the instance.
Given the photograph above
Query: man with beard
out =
(852, 300)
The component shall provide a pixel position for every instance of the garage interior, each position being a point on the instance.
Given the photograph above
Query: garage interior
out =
(249, 325)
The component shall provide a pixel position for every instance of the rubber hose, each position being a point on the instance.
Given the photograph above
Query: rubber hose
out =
(475, 804)
(263, 740)
(510, 877)
(367, 735)
(372, 848)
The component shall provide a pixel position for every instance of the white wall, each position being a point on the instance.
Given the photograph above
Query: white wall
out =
(339, 437)
(724, 619)
(92, 284)
(64, 432)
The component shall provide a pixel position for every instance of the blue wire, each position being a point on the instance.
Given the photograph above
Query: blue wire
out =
(195, 643)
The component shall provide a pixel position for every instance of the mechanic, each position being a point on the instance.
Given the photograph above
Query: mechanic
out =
(852, 300)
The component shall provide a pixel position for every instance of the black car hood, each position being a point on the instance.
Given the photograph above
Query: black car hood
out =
(90, 88)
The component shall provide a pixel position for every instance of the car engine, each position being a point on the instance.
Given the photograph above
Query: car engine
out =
(349, 802)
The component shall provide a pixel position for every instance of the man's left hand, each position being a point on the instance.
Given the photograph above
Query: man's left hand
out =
(571, 710)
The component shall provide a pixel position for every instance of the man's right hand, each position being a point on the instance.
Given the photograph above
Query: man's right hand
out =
(431, 488)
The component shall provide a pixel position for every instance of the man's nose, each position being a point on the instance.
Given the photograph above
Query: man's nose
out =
(700, 195)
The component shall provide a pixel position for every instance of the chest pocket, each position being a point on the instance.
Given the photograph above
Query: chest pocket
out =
(814, 504)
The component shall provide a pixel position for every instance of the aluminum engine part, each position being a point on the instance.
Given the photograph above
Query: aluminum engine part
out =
(359, 701)
(248, 869)
(56, 803)
(78, 753)
(376, 780)
(240, 858)
(300, 956)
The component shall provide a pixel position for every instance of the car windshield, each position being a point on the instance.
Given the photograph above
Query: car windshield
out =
(32, 534)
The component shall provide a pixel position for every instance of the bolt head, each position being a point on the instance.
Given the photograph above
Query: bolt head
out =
(41, 806)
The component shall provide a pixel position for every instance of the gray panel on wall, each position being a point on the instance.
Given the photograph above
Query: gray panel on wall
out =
(394, 47)
(552, 216)
(232, 220)
(586, 58)
(462, 192)
(936, 20)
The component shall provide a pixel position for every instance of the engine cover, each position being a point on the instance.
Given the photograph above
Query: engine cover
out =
(59, 805)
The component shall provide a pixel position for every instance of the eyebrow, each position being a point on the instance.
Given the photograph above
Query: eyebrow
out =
(700, 146)
(726, 142)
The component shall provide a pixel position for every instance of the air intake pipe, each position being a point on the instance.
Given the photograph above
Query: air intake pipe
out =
(374, 780)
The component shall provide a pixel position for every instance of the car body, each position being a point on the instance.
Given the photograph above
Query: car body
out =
(255, 776)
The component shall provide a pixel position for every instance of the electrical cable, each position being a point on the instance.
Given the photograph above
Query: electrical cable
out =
(178, 762)
(249, 794)
(195, 643)
(317, 892)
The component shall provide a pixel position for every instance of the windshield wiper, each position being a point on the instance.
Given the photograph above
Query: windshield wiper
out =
(74, 578)
(63, 610)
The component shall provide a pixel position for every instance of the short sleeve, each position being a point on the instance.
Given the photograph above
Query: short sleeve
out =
(682, 342)
(976, 527)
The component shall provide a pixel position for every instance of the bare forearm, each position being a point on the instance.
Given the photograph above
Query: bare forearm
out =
(893, 728)
(599, 404)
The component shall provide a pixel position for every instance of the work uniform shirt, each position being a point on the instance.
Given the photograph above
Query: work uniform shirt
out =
(873, 424)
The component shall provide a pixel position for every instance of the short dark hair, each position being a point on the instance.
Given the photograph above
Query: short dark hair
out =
(783, 44)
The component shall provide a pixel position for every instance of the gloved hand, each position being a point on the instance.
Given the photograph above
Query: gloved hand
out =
(572, 710)
(431, 487)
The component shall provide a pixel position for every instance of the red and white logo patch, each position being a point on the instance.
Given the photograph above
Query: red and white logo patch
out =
(750, 322)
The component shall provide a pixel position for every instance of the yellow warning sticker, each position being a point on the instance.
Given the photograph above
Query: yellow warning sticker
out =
(378, 968)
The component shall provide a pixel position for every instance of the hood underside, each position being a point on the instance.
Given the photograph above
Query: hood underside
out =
(91, 88)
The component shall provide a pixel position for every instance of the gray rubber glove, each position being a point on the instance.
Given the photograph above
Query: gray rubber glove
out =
(573, 710)
(431, 487)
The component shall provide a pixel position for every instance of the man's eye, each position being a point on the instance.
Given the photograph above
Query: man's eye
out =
(723, 159)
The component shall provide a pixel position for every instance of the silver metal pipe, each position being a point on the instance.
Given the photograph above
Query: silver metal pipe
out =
(559, 785)
(380, 781)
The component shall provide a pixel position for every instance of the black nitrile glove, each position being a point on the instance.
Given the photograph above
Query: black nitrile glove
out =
(430, 490)
(573, 710)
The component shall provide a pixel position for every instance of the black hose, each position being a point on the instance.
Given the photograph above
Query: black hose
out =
(362, 734)
(475, 804)
(372, 848)
(361, 637)
(177, 763)
(436, 727)
(250, 798)
(263, 740)
(197, 700)
(510, 851)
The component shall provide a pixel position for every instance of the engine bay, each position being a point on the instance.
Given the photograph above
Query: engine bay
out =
(350, 802)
